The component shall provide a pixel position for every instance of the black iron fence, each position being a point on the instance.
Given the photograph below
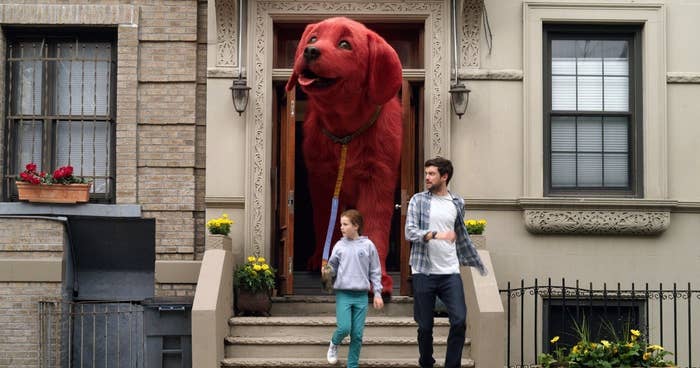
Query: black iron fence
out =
(91, 335)
(667, 315)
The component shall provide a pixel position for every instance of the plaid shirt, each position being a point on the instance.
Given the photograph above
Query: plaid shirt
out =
(418, 225)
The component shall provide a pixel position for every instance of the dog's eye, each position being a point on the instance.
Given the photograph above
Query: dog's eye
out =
(344, 45)
(313, 39)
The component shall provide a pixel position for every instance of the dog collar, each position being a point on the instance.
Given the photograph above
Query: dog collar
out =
(350, 137)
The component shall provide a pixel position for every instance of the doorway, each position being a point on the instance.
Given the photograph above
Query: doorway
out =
(294, 238)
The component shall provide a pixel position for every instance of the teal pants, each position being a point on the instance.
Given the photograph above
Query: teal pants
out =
(350, 313)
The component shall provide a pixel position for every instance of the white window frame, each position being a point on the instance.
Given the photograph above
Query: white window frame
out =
(652, 17)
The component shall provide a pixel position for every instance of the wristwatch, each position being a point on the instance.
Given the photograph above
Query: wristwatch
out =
(434, 234)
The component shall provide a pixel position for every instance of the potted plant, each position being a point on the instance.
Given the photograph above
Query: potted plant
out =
(476, 228)
(254, 282)
(61, 186)
(630, 351)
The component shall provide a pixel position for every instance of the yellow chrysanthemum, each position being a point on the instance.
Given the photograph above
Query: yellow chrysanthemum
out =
(251, 259)
(482, 222)
(257, 267)
(265, 267)
(261, 260)
(554, 339)
(646, 356)
(605, 343)
(635, 333)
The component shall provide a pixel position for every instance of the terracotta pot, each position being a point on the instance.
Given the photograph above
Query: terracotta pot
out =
(55, 193)
(253, 303)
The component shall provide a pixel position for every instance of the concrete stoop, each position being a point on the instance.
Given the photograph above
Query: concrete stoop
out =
(322, 363)
(299, 333)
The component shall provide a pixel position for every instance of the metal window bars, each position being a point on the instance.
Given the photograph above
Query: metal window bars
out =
(60, 110)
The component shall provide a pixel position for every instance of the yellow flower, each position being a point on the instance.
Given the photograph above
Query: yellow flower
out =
(655, 347)
(629, 345)
(265, 267)
(635, 333)
(261, 260)
(251, 259)
(482, 222)
(646, 356)
(575, 349)
(257, 267)
(605, 343)
(554, 340)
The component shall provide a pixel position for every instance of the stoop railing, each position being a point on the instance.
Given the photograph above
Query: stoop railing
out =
(668, 315)
(73, 334)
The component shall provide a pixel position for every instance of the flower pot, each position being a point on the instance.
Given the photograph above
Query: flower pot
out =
(253, 303)
(55, 193)
(479, 240)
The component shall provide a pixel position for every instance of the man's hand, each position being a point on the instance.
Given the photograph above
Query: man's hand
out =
(450, 236)
(378, 302)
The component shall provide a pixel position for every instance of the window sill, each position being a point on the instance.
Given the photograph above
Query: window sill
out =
(87, 209)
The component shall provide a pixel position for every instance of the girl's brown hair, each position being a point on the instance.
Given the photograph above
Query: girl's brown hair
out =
(355, 218)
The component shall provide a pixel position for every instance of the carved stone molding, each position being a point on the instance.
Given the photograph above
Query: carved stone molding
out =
(437, 75)
(226, 33)
(471, 28)
(596, 222)
(683, 77)
(491, 74)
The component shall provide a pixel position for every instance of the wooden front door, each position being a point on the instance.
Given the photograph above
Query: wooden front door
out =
(286, 136)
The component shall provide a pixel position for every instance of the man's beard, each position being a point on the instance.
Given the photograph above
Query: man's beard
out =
(437, 187)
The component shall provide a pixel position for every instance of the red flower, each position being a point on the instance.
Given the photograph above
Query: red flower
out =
(24, 176)
(31, 167)
(67, 170)
(58, 174)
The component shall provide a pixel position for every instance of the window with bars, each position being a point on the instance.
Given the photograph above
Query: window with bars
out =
(592, 110)
(60, 98)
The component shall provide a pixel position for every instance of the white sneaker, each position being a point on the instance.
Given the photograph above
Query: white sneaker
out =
(332, 354)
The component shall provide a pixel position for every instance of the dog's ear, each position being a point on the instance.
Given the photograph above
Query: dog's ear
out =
(384, 71)
(291, 83)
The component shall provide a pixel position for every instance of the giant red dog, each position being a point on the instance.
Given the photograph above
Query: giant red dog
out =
(351, 76)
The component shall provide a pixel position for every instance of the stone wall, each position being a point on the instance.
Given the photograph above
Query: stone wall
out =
(19, 300)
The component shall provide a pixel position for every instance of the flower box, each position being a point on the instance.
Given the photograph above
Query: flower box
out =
(54, 193)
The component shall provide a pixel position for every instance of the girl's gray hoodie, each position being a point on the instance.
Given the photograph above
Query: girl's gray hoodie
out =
(355, 263)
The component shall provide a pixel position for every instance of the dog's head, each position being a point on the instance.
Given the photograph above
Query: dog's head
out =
(339, 56)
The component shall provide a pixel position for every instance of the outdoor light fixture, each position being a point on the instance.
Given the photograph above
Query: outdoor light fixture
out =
(460, 98)
(239, 89)
(459, 92)
(239, 93)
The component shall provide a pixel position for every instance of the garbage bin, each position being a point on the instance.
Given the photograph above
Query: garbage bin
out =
(168, 332)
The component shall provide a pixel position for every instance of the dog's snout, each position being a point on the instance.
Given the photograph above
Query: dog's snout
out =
(311, 53)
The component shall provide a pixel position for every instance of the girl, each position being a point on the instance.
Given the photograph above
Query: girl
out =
(355, 263)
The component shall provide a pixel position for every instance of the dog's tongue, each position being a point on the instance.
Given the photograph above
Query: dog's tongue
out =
(305, 81)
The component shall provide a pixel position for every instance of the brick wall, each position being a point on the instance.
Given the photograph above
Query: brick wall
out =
(19, 312)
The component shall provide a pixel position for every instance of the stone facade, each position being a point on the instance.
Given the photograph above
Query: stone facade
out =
(160, 145)
(19, 313)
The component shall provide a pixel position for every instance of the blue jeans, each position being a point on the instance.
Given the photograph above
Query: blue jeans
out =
(350, 313)
(449, 289)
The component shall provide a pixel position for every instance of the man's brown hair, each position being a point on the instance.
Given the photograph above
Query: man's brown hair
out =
(443, 165)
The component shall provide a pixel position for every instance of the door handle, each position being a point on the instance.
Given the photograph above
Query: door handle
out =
(397, 206)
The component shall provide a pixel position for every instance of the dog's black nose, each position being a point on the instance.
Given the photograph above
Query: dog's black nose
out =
(311, 53)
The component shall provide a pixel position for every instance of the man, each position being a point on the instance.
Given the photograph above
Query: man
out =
(439, 245)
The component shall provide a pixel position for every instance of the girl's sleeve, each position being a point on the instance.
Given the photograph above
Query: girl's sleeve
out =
(375, 270)
(334, 260)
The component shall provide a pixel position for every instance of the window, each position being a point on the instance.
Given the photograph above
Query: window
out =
(592, 110)
(60, 98)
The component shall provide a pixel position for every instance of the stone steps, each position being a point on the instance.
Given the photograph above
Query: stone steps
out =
(299, 305)
(323, 326)
(322, 363)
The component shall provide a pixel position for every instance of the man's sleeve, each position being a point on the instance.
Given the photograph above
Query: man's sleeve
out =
(412, 232)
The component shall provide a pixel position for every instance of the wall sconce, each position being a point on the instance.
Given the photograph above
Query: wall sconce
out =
(239, 93)
(459, 94)
(239, 89)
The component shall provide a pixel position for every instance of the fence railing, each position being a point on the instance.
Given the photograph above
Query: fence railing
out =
(91, 335)
(667, 314)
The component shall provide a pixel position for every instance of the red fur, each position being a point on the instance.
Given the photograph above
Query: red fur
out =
(366, 76)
